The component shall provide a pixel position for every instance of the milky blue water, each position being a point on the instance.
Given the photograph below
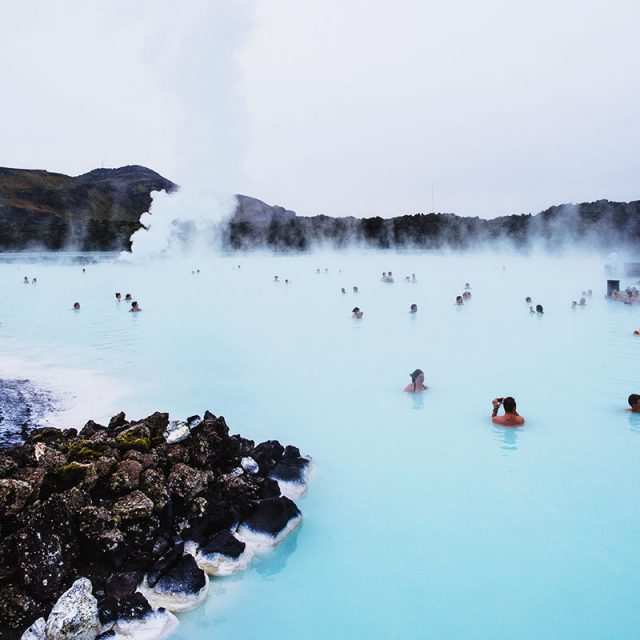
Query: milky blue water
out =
(423, 519)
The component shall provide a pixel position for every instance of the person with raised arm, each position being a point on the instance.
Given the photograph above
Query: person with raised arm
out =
(511, 417)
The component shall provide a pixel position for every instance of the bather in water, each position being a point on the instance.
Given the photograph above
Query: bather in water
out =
(417, 382)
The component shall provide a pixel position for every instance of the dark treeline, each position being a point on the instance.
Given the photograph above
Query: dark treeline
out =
(100, 210)
(600, 224)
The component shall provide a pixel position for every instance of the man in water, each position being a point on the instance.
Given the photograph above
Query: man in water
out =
(357, 313)
(634, 403)
(135, 307)
(414, 308)
(511, 417)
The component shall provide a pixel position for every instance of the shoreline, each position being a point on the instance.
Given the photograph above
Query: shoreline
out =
(61, 397)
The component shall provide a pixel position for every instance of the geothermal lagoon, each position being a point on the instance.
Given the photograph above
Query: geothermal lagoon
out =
(422, 519)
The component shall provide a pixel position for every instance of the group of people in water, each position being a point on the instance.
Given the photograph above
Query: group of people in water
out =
(129, 298)
(135, 307)
(628, 296)
(510, 418)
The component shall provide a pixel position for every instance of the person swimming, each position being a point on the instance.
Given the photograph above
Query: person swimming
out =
(128, 297)
(135, 307)
(26, 280)
(76, 306)
(459, 300)
(118, 296)
(511, 417)
(343, 290)
(355, 289)
(414, 308)
(539, 308)
(417, 382)
(634, 403)
(527, 300)
(357, 313)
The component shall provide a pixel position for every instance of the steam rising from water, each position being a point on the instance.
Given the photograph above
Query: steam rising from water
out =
(208, 143)
(183, 223)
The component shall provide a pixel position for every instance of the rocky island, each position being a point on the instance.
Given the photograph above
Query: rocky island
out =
(109, 530)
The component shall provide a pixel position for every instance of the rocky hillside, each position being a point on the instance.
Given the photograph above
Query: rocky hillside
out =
(98, 210)
(101, 209)
(602, 225)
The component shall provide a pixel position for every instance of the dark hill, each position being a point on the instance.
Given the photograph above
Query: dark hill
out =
(600, 225)
(98, 210)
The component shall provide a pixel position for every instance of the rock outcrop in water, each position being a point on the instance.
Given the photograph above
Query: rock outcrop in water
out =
(96, 211)
(109, 529)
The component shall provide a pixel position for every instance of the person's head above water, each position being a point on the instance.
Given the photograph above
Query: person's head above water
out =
(76, 305)
(509, 404)
(527, 299)
(417, 382)
(539, 308)
(414, 308)
(357, 312)
(634, 402)
(459, 300)
(128, 296)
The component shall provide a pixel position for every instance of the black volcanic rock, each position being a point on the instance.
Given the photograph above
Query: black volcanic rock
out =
(98, 210)
(114, 503)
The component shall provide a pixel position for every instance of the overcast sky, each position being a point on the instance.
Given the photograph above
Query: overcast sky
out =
(338, 106)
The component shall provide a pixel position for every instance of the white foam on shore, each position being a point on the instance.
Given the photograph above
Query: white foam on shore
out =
(260, 541)
(80, 394)
(153, 626)
(218, 564)
(173, 601)
(293, 489)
